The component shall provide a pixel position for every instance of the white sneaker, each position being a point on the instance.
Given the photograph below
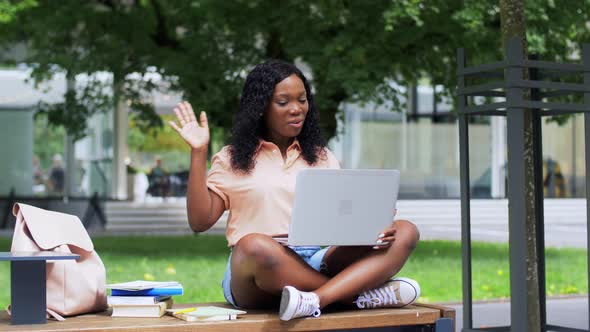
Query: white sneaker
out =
(295, 303)
(395, 293)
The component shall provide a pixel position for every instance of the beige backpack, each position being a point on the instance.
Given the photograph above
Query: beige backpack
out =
(73, 286)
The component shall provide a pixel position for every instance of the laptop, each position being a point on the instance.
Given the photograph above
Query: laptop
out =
(346, 207)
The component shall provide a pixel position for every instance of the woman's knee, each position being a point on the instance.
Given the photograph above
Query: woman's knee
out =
(406, 233)
(256, 248)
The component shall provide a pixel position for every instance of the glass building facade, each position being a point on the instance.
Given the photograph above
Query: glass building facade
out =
(421, 141)
(33, 153)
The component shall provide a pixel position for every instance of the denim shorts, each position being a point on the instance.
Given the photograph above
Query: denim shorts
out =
(311, 255)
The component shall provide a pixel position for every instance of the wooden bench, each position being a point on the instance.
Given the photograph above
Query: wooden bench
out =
(419, 318)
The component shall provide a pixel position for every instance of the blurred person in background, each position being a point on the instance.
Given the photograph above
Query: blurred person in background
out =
(38, 177)
(158, 178)
(57, 175)
(553, 180)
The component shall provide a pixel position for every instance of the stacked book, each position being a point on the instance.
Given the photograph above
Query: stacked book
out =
(142, 298)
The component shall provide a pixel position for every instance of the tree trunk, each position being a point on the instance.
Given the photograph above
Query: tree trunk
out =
(512, 18)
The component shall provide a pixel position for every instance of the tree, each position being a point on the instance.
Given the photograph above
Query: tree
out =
(513, 20)
(354, 49)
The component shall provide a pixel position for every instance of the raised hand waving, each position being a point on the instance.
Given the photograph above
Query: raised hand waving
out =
(195, 135)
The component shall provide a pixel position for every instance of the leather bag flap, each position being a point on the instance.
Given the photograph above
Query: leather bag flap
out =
(50, 229)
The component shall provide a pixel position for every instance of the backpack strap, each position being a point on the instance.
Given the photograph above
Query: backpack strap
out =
(54, 315)
(50, 314)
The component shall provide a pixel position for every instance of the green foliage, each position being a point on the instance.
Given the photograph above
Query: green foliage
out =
(9, 9)
(48, 140)
(203, 48)
(155, 139)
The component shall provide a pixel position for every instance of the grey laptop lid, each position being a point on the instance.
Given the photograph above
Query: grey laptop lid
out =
(342, 207)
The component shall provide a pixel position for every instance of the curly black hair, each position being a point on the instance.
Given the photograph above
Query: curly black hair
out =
(249, 126)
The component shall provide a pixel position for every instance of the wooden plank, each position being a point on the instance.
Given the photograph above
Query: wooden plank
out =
(254, 321)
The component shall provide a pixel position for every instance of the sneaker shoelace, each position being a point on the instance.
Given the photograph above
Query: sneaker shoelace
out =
(308, 305)
(378, 297)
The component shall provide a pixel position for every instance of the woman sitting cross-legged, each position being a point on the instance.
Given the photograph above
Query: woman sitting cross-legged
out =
(275, 134)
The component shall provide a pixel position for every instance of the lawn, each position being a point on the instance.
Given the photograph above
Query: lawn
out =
(198, 262)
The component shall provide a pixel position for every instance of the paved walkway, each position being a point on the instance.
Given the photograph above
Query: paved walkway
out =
(569, 312)
(556, 235)
(564, 220)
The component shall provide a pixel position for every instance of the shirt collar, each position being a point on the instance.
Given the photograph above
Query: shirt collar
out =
(294, 145)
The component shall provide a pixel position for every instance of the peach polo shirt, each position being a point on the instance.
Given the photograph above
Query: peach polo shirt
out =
(260, 202)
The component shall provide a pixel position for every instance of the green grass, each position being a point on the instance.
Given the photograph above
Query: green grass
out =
(198, 262)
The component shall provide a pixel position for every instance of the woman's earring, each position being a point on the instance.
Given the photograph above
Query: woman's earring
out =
(260, 114)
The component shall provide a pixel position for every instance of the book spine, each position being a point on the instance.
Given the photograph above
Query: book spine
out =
(135, 300)
(147, 292)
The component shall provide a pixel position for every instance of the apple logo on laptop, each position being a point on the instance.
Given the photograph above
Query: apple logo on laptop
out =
(345, 207)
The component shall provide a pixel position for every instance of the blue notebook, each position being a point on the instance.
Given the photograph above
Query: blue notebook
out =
(148, 292)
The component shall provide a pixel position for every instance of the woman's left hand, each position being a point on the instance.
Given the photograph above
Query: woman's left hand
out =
(386, 238)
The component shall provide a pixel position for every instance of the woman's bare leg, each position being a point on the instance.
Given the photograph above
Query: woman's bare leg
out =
(261, 267)
(356, 269)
